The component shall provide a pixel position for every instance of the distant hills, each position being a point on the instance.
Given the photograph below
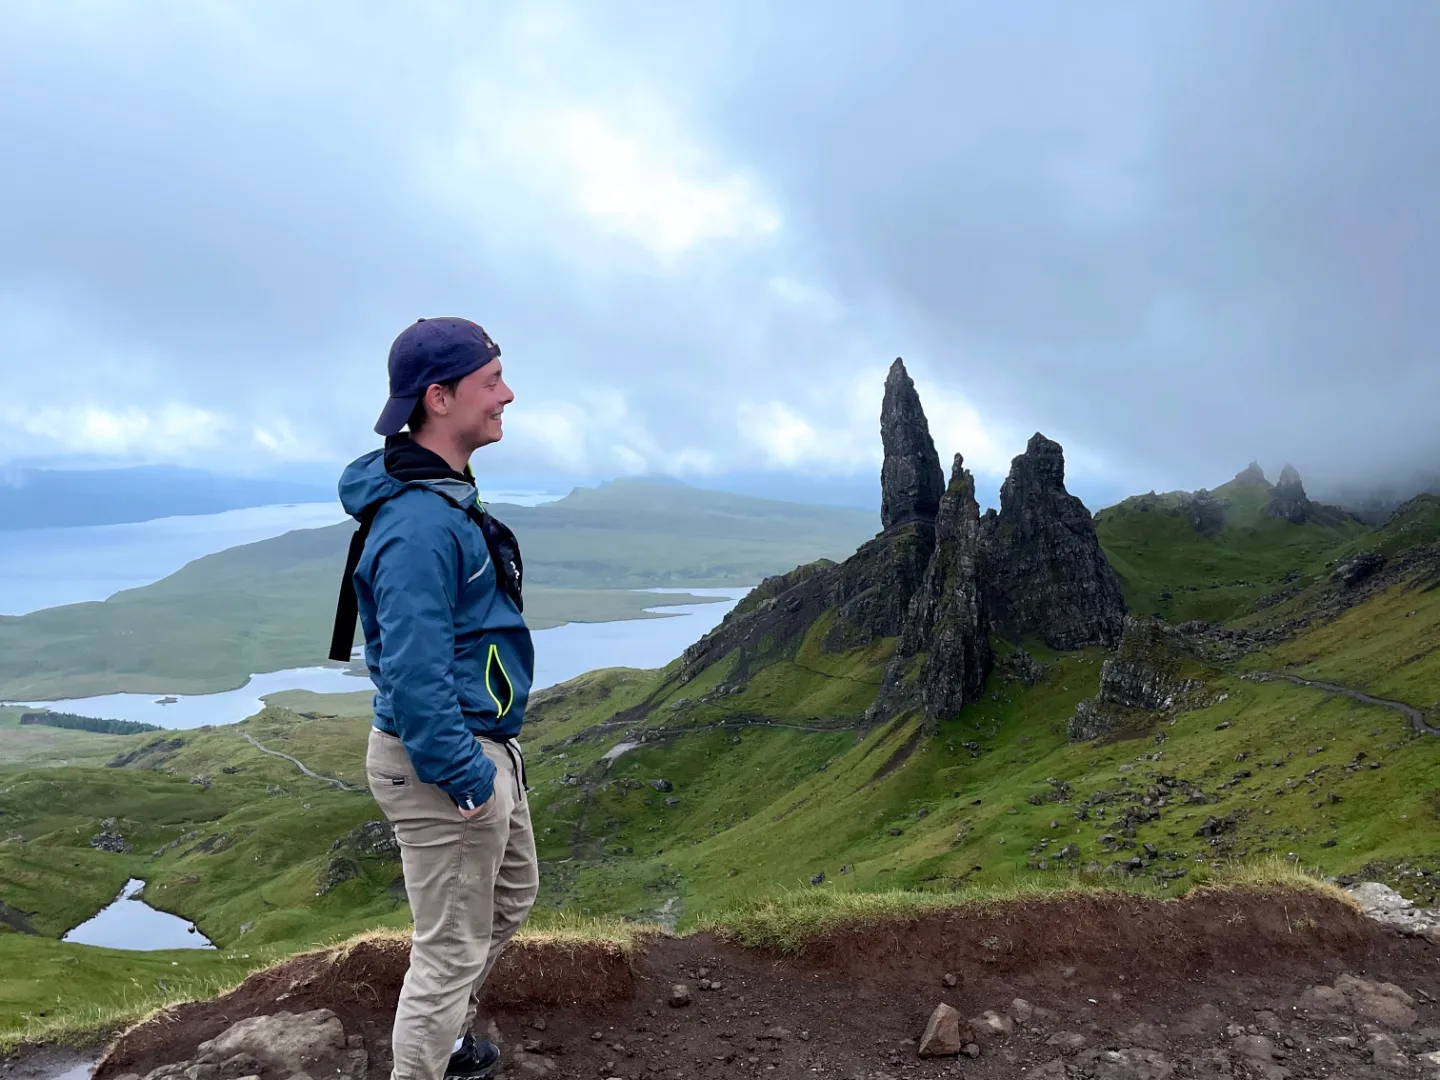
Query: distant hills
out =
(268, 605)
(49, 498)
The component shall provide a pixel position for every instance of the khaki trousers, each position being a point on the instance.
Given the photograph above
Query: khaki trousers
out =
(470, 885)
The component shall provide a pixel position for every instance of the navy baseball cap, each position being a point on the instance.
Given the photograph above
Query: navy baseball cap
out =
(431, 351)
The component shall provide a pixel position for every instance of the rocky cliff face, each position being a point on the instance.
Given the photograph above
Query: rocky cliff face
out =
(911, 480)
(946, 620)
(1288, 500)
(1142, 680)
(938, 576)
(870, 591)
(1043, 568)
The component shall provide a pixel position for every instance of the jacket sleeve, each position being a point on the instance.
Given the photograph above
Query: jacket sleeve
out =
(415, 584)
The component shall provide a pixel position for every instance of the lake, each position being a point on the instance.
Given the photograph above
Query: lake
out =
(561, 653)
(42, 568)
(130, 923)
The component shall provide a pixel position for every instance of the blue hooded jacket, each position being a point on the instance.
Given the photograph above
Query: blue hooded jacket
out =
(447, 648)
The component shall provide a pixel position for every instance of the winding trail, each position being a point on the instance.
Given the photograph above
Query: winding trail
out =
(1410, 712)
(297, 763)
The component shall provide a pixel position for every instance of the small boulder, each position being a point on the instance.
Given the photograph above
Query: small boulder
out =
(1383, 1003)
(942, 1033)
(679, 996)
(662, 785)
(289, 1041)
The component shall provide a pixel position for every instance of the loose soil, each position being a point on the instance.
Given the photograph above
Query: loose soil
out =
(1121, 987)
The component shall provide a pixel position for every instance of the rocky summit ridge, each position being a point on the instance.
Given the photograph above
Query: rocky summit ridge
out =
(938, 577)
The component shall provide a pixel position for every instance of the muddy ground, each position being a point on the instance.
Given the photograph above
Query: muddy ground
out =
(1111, 988)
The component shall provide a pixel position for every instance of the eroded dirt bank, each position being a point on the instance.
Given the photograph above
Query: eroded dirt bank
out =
(1284, 984)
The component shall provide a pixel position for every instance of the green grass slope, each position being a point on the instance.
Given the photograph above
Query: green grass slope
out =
(1171, 569)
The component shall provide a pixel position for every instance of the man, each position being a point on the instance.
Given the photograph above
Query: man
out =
(436, 582)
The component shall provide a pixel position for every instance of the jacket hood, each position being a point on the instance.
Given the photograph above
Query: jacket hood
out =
(366, 482)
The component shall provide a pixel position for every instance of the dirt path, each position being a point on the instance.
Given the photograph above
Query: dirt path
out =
(1105, 987)
(1410, 712)
(297, 763)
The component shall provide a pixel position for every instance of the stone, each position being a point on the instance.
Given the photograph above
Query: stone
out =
(942, 1033)
(1022, 1010)
(1386, 1053)
(662, 785)
(110, 841)
(1325, 999)
(239, 1065)
(200, 1071)
(1069, 1042)
(910, 477)
(679, 996)
(288, 1041)
(375, 839)
(1255, 1047)
(992, 1023)
(1044, 572)
(1287, 499)
(1383, 1003)
(1051, 1070)
(1211, 1062)
(949, 980)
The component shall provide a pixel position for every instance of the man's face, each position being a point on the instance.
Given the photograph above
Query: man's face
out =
(477, 404)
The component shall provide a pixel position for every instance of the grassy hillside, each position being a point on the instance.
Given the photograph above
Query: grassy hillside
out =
(1172, 569)
(667, 801)
(269, 605)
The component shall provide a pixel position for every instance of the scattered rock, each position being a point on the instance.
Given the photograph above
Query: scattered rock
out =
(1385, 1053)
(942, 1033)
(1389, 908)
(1358, 568)
(110, 841)
(679, 996)
(662, 785)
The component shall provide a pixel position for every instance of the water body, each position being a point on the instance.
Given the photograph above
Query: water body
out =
(130, 923)
(561, 653)
(42, 568)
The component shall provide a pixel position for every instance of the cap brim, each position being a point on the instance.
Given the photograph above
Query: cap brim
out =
(395, 415)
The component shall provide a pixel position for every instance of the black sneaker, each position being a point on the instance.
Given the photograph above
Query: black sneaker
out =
(477, 1059)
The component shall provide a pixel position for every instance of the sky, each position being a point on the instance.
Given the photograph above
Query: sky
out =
(1175, 237)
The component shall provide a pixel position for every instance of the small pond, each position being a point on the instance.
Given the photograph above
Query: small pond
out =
(130, 923)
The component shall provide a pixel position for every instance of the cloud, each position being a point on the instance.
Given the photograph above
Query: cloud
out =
(86, 429)
(1174, 237)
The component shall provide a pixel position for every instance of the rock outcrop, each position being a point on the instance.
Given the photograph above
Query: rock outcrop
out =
(911, 480)
(1205, 511)
(1142, 680)
(1045, 574)
(1252, 474)
(1288, 501)
(947, 620)
(938, 577)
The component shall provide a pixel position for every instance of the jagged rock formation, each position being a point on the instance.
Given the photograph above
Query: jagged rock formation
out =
(1043, 569)
(1252, 474)
(1143, 678)
(947, 619)
(1205, 511)
(1288, 500)
(911, 480)
(870, 591)
(1357, 568)
(938, 576)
